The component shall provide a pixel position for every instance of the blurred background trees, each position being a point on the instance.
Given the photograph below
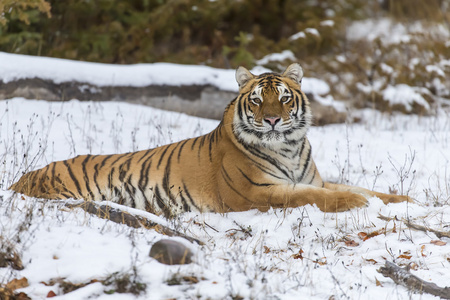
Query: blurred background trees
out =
(223, 33)
(228, 33)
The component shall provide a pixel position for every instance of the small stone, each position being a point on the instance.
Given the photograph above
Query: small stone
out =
(170, 252)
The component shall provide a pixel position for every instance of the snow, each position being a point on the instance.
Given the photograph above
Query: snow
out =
(405, 95)
(284, 55)
(391, 32)
(312, 31)
(386, 68)
(61, 70)
(283, 254)
(329, 23)
(435, 69)
(297, 36)
(15, 66)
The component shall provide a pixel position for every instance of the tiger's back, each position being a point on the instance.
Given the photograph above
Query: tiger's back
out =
(257, 157)
(151, 179)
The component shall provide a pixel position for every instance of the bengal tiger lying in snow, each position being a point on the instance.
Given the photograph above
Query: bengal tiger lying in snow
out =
(257, 157)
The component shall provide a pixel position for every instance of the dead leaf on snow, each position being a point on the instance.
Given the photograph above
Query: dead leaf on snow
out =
(7, 294)
(363, 236)
(421, 251)
(413, 266)
(298, 255)
(438, 243)
(51, 294)
(22, 296)
(371, 260)
(377, 282)
(351, 243)
(17, 284)
(321, 261)
(191, 279)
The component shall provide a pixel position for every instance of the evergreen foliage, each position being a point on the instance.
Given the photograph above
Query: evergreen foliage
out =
(222, 33)
(229, 33)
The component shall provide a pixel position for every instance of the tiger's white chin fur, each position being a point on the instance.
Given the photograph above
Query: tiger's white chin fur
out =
(271, 139)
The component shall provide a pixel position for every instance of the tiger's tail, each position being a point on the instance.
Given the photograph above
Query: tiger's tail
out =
(43, 183)
(32, 184)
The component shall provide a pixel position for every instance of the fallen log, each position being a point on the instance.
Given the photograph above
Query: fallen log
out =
(402, 276)
(126, 218)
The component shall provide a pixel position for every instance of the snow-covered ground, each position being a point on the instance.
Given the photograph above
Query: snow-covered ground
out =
(299, 253)
(14, 67)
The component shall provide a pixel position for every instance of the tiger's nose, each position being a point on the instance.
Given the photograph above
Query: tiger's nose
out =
(272, 120)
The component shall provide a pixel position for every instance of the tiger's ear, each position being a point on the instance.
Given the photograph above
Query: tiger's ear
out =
(294, 72)
(243, 76)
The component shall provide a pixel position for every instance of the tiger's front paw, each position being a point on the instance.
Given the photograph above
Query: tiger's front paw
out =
(395, 198)
(342, 201)
(352, 201)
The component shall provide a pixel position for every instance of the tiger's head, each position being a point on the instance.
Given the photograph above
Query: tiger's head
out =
(271, 109)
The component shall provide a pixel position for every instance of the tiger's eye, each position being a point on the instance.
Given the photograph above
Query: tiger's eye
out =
(256, 100)
(285, 99)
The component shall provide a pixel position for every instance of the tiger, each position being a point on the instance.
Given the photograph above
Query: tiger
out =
(258, 157)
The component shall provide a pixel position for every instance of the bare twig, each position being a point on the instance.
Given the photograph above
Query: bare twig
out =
(411, 282)
(439, 234)
(385, 218)
(210, 227)
(411, 225)
(247, 231)
(122, 217)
